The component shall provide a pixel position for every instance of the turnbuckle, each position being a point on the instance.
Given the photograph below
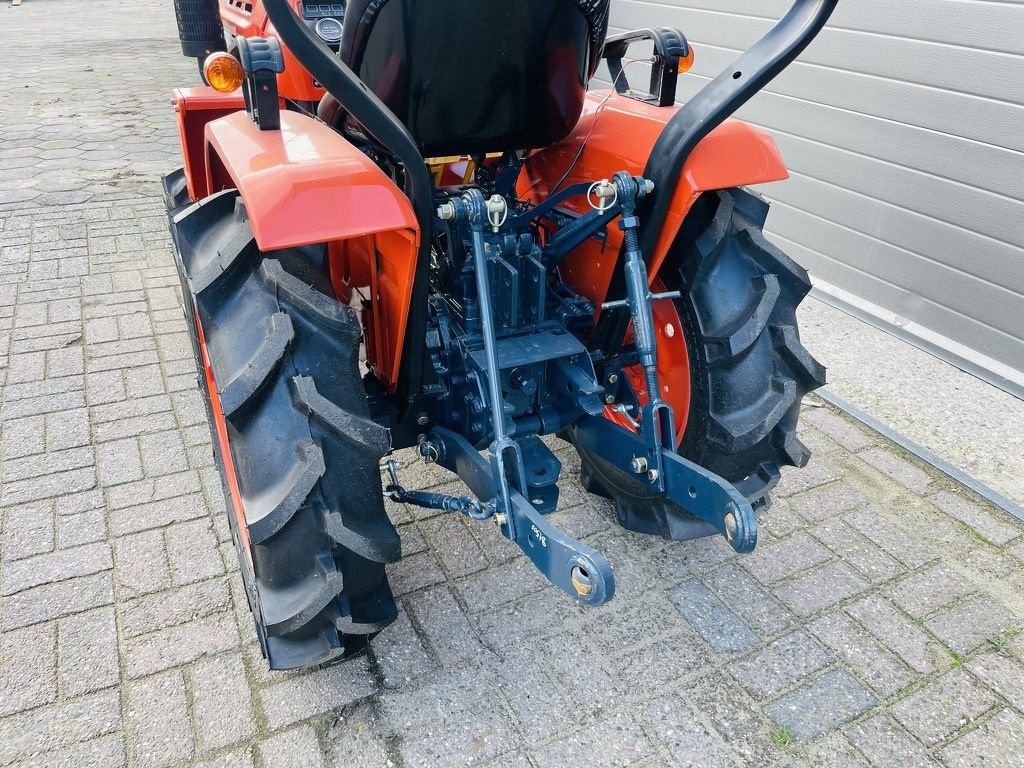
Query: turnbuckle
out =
(463, 505)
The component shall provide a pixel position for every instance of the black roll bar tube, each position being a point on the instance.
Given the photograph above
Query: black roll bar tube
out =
(713, 104)
(382, 124)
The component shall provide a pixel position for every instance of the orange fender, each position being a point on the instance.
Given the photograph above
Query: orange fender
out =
(618, 134)
(305, 184)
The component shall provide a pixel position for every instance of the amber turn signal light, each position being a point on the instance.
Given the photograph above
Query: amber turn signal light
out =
(685, 62)
(223, 72)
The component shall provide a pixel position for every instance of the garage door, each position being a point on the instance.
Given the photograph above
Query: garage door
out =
(903, 127)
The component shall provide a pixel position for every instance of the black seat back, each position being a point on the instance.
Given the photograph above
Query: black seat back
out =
(472, 76)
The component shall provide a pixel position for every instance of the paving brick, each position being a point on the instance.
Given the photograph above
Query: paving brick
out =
(676, 724)
(541, 708)
(943, 707)
(67, 429)
(52, 601)
(414, 572)
(141, 564)
(104, 752)
(193, 552)
(172, 607)
(469, 742)
(298, 746)
(897, 633)
(798, 480)
(28, 668)
(867, 558)
(156, 715)
(755, 606)
(731, 711)
(47, 486)
(444, 626)
(782, 664)
(787, 558)
(997, 531)
(400, 654)
(59, 725)
(241, 758)
(222, 703)
(48, 464)
(119, 462)
(157, 514)
(617, 741)
(163, 453)
(79, 529)
(899, 469)
(828, 502)
(316, 692)
(23, 437)
(835, 750)
(889, 537)
(967, 626)
(661, 663)
(883, 672)
(88, 652)
(999, 741)
(925, 592)
(55, 567)
(714, 621)
(180, 644)
(1001, 673)
(822, 705)
(820, 589)
(499, 585)
(27, 530)
(887, 745)
(450, 538)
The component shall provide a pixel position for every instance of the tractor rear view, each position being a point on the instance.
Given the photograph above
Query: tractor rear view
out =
(410, 225)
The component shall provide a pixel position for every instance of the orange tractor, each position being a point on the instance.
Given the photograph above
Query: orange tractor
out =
(409, 225)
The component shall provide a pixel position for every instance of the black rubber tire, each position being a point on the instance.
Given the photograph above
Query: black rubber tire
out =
(284, 355)
(749, 372)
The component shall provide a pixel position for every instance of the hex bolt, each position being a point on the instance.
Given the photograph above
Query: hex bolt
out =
(613, 378)
(423, 419)
(638, 464)
(653, 475)
(609, 399)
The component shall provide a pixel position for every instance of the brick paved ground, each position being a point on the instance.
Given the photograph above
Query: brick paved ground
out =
(877, 624)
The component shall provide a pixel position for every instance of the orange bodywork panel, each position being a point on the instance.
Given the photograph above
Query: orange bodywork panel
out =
(619, 134)
(195, 108)
(305, 184)
(248, 18)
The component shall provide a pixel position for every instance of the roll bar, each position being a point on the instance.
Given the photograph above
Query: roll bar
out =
(713, 105)
(382, 124)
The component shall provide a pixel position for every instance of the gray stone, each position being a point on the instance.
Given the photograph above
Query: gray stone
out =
(967, 626)
(444, 626)
(542, 710)
(887, 745)
(781, 665)
(193, 552)
(896, 632)
(400, 654)
(104, 752)
(827, 503)
(999, 741)
(27, 530)
(789, 557)
(28, 668)
(719, 626)
(676, 724)
(141, 563)
(900, 470)
(823, 588)
(88, 652)
(298, 747)
(926, 592)
(414, 572)
(180, 644)
(870, 560)
(822, 705)
(119, 462)
(661, 663)
(997, 531)
(52, 601)
(316, 692)
(156, 715)
(59, 725)
(58, 566)
(495, 586)
(222, 704)
(943, 707)
(874, 664)
(1001, 673)
(450, 538)
(618, 741)
(756, 607)
(470, 742)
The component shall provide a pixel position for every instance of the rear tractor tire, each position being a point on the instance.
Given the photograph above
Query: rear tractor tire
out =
(298, 454)
(748, 370)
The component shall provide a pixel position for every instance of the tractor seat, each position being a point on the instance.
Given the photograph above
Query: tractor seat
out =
(474, 76)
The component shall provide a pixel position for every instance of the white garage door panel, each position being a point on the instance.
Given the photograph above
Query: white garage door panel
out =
(903, 127)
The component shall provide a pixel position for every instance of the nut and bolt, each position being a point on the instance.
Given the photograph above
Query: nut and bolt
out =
(423, 419)
(652, 475)
(638, 464)
(613, 378)
(500, 518)
(609, 399)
